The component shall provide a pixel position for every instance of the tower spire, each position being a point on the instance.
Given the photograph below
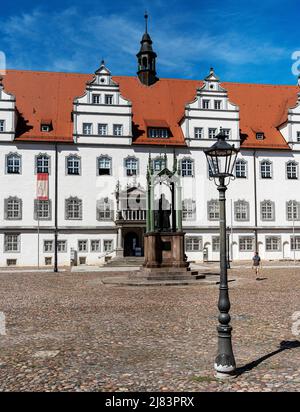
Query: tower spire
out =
(146, 58)
(146, 21)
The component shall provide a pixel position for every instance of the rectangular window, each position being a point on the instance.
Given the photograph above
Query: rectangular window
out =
(131, 166)
(48, 246)
(102, 129)
(293, 209)
(273, 243)
(246, 244)
(260, 136)
(188, 210)
(104, 166)
(96, 99)
(95, 245)
(42, 209)
(198, 132)
(108, 99)
(298, 136)
(292, 170)
(73, 209)
(240, 169)
(13, 164)
(212, 132)
(62, 246)
(108, 245)
(193, 244)
(2, 126)
(267, 211)
(155, 132)
(73, 165)
(12, 242)
(118, 130)
(82, 245)
(13, 209)
(43, 164)
(266, 170)
(216, 243)
(217, 104)
(205, 104)
(227, 133)
(87, 128)
(241, 211)
(295, 242)
(213, 210)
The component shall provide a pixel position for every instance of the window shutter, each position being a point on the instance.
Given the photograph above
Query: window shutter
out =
(35, 212)
(66, 209)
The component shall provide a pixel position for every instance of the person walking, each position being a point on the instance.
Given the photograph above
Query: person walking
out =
(256, 264)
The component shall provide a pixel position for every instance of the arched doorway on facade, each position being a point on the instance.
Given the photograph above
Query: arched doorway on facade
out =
(131, 243)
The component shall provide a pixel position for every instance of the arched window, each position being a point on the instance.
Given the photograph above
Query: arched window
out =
(241, 210)
(188, 209)
(42, 163)
(13, 163)
(131, 166)
(105, 209)
(292, 170)
(73, 208)
(241, 168)
(267, 210)
(213, 210)
(104, 165)
(187, 167)
(266, 169)
(13, 208)
(73, 165)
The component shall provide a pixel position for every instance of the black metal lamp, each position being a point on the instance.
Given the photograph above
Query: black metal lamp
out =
(221, 158)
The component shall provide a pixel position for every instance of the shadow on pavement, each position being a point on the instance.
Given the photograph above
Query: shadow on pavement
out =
(284, 345)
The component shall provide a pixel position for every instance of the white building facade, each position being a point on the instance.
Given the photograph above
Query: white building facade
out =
(95, 147)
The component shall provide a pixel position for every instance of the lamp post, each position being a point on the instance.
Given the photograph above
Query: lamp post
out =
(221, 159)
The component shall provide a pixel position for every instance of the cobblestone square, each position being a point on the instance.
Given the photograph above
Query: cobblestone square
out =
(69, 332)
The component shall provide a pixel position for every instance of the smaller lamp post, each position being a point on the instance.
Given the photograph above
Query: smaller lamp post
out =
(221, 159)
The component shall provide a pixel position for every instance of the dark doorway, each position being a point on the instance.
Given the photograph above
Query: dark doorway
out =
(131, 241)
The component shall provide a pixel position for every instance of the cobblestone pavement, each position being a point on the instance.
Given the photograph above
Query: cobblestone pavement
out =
(69, 332)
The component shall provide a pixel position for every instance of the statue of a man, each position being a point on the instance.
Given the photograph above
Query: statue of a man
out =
(162, 215)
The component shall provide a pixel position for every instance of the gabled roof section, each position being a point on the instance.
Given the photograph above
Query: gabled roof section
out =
(50, 95)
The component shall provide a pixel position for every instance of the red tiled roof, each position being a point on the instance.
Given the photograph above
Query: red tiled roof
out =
(50, 95)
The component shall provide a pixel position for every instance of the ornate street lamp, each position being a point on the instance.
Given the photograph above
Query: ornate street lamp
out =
(221, 159)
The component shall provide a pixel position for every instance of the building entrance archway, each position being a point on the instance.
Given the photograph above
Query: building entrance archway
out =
(131, 242)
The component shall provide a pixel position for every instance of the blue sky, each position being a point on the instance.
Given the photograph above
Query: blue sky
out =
(245, 41)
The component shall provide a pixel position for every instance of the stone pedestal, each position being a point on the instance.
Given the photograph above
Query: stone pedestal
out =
(164, 249)
(165, 257)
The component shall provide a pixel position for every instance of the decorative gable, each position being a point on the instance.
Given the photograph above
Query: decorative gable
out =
(7, 114)
(102, 114)
(210, 112)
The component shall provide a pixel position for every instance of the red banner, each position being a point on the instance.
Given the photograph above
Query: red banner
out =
(42, 186)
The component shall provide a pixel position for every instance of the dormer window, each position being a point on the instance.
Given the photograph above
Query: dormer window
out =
(108, 99)
(96, 99)
(260, 136)
(46, 125)
(158, 132)
(2, 126)
(45, 128)
(205, 104)
(218, 104)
